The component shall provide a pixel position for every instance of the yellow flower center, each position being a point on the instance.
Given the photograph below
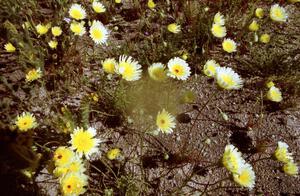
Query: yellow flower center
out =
(228, 80)
(158, 74)
(97, 34)
(244, 177)
(228, 46)
(83, 141)
(25, 123)
(126, 69)
(173, 28)
(217, 29)
(75, 13)
(278, 13)
(113, 153)
(178, 70)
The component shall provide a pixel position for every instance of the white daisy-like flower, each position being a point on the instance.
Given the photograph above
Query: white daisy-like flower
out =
(157, 72)
(229, 45)
(165, 122)
(218, 30)
(98, 7)
(219, 19)
(128, 68)
(77, 12)
(274, 94)
(228, 79)
(78, 28)
(278, 13)
(245, 176)
(282, 154)
(83, 141)
(178, 68)
(232, 159)
(210, 68)
(98, 32)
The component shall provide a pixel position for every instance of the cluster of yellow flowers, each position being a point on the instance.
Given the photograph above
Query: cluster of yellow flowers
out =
(69, 167)
(25, 121)
(282, 154)
(277, 14)
(56, 31)
(274, 93)
(130, 69)
(225, 76)
(242, 172)
(98, 32)
(218, 29)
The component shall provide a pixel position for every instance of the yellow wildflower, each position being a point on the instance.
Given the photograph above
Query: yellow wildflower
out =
(278, 13)
(26, 121)
(98, 32)
(228, 79)
(109, 65)
(157, 72)
(229, 45)
(264, 38)
(210, 68)
(270, 84)
(282, 154)
(218, 30)
(174, 28)
(128, 68)
(254, 26)
(113, 153)
(77, 12)
(98, 7)
(52, 44)
(63, 156)
(178, 68)
(9, 47)
(259, 13)
(56, 31)
(33, 74)
(151, 4)
(219, 19)
(274, 94)
(232, 159)
(165, 122)
(73, 184)
(83, 141)
(78, 28)
(42, 29)
(245, 176)
(290, 168)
